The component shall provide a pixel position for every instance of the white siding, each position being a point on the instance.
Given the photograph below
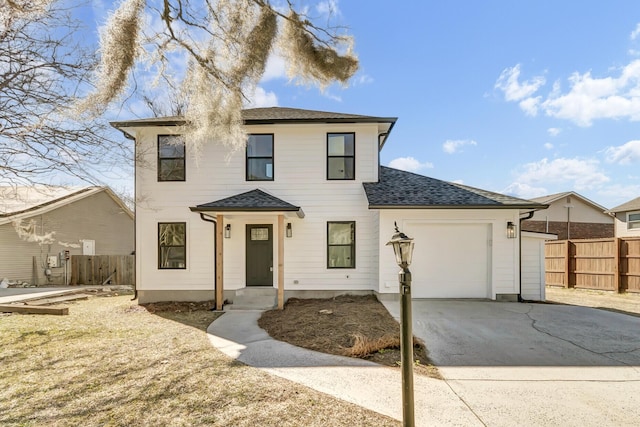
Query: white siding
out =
(499, 261)
(579, 212)
(299, 178)
(533, 268)
(621, 228)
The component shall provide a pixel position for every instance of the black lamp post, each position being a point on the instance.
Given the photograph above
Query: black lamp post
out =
(403, 249)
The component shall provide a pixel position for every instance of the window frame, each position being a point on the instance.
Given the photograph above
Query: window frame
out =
(160, 246)
(342, 157)
(352, 245)
(633, 224)
(272, 157)
(183, 158)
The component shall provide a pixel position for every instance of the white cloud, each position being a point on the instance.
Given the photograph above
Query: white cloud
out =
(409, 164)
(362, 79)
(328, 7)
(588, 98)
(513, 89)
(452, 146)
(554, 131)
(624, 154)
(276, 68)
(261, 98)
(524, 191)
(548, 146)
(565, 174)
(635, 33)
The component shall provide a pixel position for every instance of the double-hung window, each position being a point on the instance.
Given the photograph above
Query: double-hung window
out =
(171, 164)
(633, 220)
(341, 244)
(172, 245)
(341, 155)
(260, 157)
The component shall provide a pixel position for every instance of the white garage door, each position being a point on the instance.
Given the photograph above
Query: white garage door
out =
(450, 260)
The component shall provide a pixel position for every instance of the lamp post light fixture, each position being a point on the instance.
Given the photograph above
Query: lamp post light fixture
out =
(403, 249)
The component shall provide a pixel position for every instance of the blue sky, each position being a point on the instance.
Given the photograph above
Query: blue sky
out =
(523, 98)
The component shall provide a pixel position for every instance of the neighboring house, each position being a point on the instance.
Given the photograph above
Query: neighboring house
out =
(39, 223)
(570, 216)
(306, 210)
(627, 218)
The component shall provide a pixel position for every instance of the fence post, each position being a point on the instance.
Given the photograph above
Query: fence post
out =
(620, 284)
(567, 265)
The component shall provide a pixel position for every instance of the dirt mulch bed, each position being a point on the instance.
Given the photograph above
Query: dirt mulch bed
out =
(355, 326)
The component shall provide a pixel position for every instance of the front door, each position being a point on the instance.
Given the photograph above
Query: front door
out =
(259, 255)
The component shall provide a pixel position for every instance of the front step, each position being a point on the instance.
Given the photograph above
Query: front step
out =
(262, 298)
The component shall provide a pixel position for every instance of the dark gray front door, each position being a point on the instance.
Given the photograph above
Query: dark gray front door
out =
(259, 255)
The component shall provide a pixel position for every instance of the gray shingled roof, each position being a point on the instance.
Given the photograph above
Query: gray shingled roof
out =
(400, 189)
(631, 205)
(254, 200)
(269, 115)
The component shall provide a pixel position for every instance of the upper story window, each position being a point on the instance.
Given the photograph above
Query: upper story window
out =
(341, 244)
(172, 245)
(260, 157)
(171, 164)
(633, 220)
(341, 155)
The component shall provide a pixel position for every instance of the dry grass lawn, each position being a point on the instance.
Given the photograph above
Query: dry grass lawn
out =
(111, 362)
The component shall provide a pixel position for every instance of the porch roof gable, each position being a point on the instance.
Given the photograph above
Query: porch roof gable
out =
(250, 201)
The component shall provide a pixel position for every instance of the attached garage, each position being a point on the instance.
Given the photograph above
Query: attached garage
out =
(467, 240)
(450, 260)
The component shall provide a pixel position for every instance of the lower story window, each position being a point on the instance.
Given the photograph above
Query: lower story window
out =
(172, 245)
(341, 244)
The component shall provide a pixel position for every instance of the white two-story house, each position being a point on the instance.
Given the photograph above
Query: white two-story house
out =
(306, 210)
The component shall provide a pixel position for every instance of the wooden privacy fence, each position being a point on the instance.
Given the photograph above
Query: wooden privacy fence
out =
(102, 269)
(611, 264)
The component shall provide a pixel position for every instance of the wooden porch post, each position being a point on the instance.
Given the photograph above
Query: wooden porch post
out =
(219, 261)
(280, 262)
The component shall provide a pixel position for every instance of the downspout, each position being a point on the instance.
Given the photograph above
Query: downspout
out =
(215, 255)
(529, 216)
(135, 221)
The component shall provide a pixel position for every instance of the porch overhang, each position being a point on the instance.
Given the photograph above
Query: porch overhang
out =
(254, 201)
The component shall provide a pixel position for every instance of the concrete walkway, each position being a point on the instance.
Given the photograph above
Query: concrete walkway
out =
(363, 383)
(504, 364)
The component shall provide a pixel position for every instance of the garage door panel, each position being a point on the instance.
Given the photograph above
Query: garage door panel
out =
(450, 260)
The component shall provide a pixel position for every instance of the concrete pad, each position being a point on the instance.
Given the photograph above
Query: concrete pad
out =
(9, 295)
(534, 364)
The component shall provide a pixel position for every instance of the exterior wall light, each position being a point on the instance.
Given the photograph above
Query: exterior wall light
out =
(227, 231)
(289, 230)
(511, 230)
(403, 249)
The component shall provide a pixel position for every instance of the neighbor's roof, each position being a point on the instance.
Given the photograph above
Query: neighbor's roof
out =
(251, 201)
(631, 205)
(272, 115)
(399, 189)
(558, 196)
(18, 202)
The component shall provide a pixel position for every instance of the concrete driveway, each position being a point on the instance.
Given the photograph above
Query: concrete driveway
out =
(534, 364)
